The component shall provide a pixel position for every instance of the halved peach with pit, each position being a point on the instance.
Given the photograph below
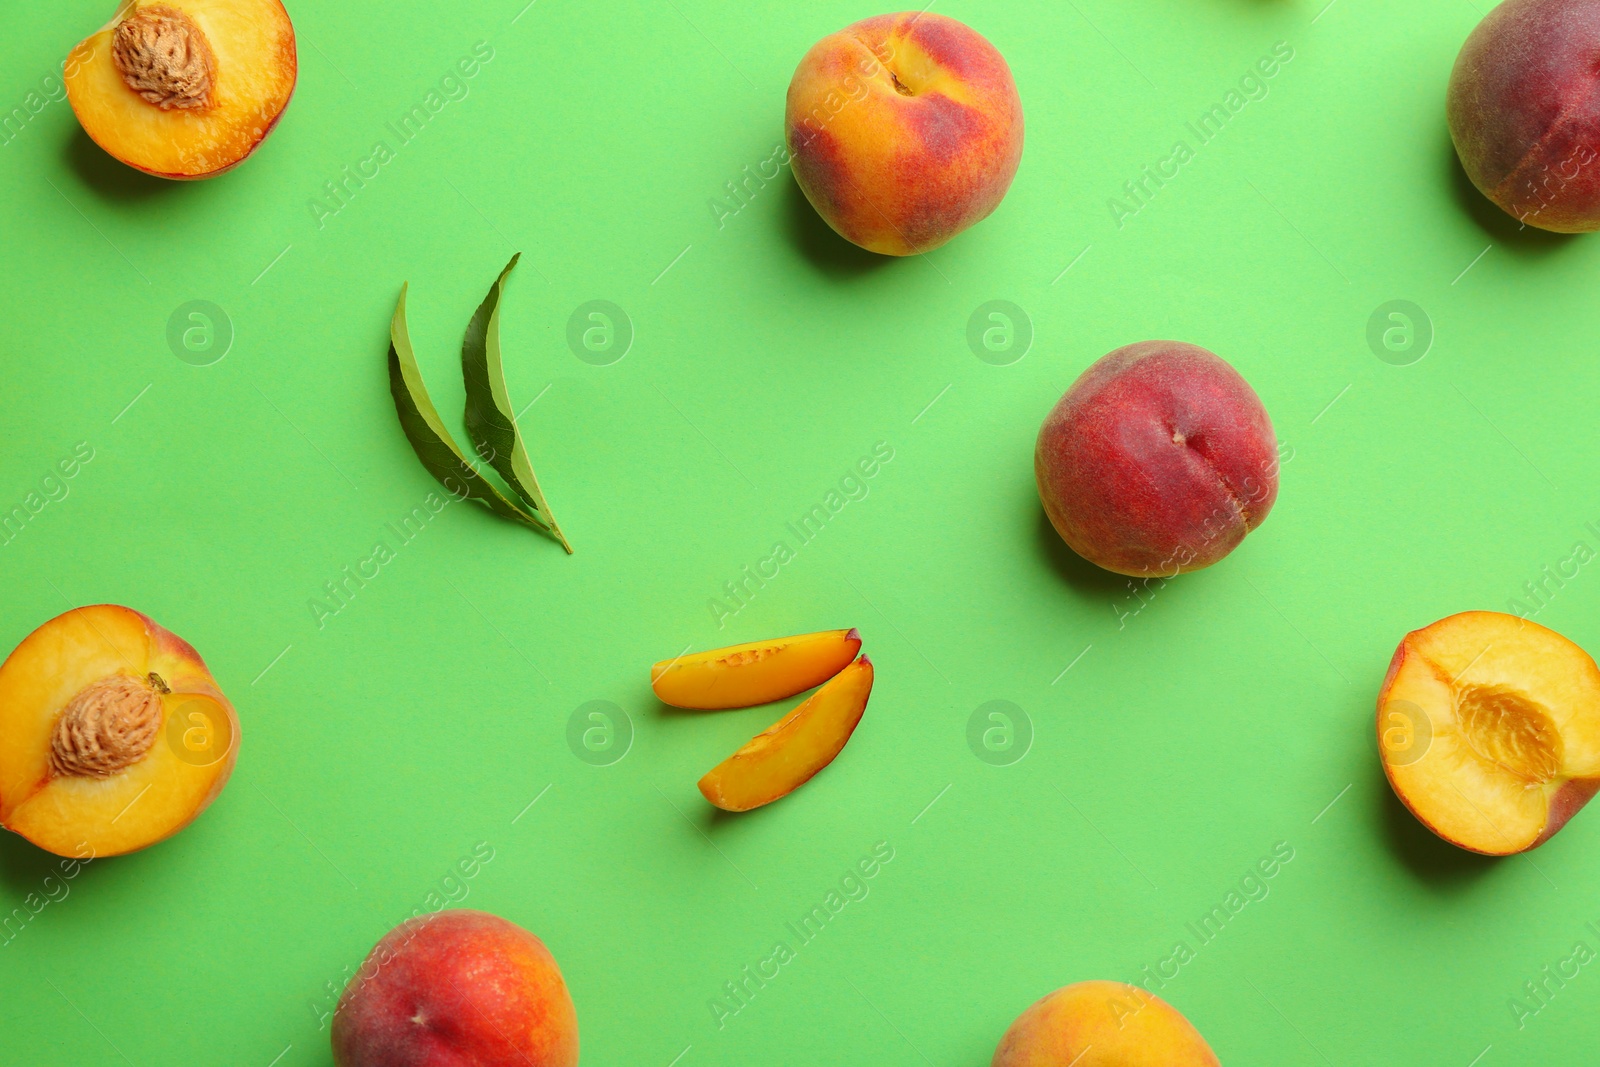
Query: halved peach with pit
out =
(790, 752)
(113, 735)
(184, 88)
(1489, 730)
(742, 676)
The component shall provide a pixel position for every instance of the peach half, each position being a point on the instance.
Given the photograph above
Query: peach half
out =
(454, 989)
(1102, 1024)
(184, 88)
(113, 735)
(903, 130)
(1489, 730)
(759, 672)
(792, 750)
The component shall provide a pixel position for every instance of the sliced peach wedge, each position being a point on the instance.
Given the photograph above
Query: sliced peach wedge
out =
(1489, 730)
(113, 735)
(792, 750)
(184, 88)
(742, 676)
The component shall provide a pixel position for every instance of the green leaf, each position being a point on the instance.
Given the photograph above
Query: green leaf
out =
(489, 420)
(427, 433)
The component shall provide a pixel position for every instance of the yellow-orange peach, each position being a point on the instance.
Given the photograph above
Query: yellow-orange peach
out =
(184, 88)
(903, 130)
(1489, 730)
(742, 676)
(1102, 1024)
(113, 734)
(792, 750)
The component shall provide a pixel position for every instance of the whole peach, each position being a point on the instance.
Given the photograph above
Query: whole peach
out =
(1524, 111)
(452, 988)
(1158, 460)
(1102, 1024)
(903, 130)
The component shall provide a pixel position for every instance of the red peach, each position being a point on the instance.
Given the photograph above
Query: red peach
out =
(1524, 111)
(1157, 461)
(454, 988)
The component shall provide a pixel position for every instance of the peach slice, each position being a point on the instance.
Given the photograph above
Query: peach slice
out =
(1102, 1024)
(184, 88)
(1489, 730)
(786, 755)
(742, 676)
(113, 735)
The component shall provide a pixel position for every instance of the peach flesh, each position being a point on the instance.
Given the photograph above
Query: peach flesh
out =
(1158, 460)
(455, 988)
(1524, 111)
(1102, 1024)
(1489, 730)
(757, 672)
(903, 130)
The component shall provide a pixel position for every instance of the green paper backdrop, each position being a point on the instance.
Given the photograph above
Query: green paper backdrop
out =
(1153, 750)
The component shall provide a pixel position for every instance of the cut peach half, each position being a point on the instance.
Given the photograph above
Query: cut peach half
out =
(787, 754)
(113, 735)
(1489, 730)
(184, 88)
(742, 676)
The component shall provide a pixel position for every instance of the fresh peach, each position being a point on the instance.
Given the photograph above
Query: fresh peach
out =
(113, 734)
(1524, 111)
(456, 988)
(1157, 461)
(742, 676)
(792, 750)
(1102, 1024)
(184, 88)
(903, 130)
(1489, 730)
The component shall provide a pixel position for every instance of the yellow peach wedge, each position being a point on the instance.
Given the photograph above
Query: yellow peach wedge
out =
(113, 734)
(184, 88)
(742, 676)
(792, 750)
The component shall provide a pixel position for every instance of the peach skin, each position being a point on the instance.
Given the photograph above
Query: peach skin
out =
(903, 130)
(1102, 1024)
(792, 750)
(184, 88)
(113, 734)
(759, 672)
(1489, 730)
(453, 989)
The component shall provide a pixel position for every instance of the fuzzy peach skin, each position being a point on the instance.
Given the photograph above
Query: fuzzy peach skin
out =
(1524, 111)
(452, 989)
(1157, 461)
(1489, 730)
(1102, 1024)
(903, 130)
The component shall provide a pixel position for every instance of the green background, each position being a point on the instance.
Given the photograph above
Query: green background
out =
(1231, 714)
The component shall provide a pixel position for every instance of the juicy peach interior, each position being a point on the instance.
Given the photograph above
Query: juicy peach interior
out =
(1489, 728)
(792, 750)
(112, 734)
(758, 672)
(184, 88)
